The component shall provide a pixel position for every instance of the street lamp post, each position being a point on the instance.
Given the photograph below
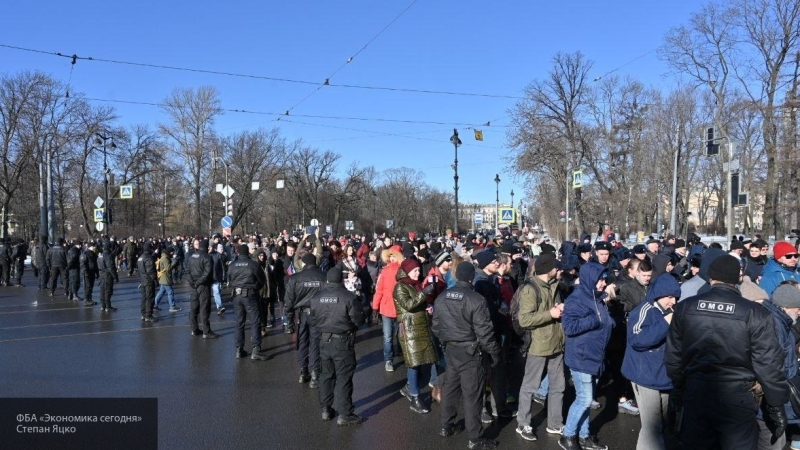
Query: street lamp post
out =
(101, 140)
(512, 205)
(456, 142)
(374, 214)
(497, 202)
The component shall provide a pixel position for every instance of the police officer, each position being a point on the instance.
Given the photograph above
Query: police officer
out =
(74, 270)
(57, 263)
(108, 276)
(462, 324)
(299, 290)
(200, 278)
(88, 265)
(147, 274)
(722, 355)
(247, 279)
(336, 313)
(41, 249)
(20, 253)
(6, 255)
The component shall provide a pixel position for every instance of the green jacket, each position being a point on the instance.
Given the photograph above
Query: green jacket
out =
(415, 332)
(164, 267)
(547, 336)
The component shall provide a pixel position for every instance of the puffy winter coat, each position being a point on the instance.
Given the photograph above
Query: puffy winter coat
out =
(774, 274)
(383, 301)
(415, 333)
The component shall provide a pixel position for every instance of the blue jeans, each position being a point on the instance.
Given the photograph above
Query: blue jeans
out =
(578, 415)
(413, 375)
(544, 387)
(170, 295)
(389, 337)
(216, 290)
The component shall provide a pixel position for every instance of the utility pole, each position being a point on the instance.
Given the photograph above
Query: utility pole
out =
(497, 203)
(674, 211)
(456, 142)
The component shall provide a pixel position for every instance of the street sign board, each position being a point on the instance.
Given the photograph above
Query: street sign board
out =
(227, 191)
(390, 224)
(255, 185)
(314, 223)
(98, 202)
(279, 184)
(226, 231)
(126, 191)
(507, 215)
(226, 222)
(577, 179)
(99, 226)
(98, 214)
(478, 218)
(328, 229)
(348, 225)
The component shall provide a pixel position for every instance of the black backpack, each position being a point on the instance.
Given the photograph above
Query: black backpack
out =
(521, 332)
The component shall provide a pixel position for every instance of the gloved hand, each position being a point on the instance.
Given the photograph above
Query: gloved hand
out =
(429, 289)
(495, 360)
(778, 418)
(674, 408)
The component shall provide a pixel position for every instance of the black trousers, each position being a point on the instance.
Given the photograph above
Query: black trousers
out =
(307, 344)
(148, 297)
(74, 281)
(88, 287)
(245, 306)
(55, 274)
(106, 289)
(464, 379)
(719, 416)
(337, 367)
(20, 269)
(44, 276)
(200, 302)
(5, 272)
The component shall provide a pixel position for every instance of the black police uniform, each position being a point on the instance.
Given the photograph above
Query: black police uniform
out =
(88, 265)
(6, 256)
(247, 278)
(73, 272)
(57, 263)
(108, 276)
(149, 280)
(20, 253)
(719, 345)
(299, 289)
(336, 313)
(42, 249)
(462, 324)
(200, 278)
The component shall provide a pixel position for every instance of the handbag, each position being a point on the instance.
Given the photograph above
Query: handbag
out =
(794, 394)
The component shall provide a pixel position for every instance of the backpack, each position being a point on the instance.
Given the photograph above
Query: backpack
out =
(526, 336)
(73, 258)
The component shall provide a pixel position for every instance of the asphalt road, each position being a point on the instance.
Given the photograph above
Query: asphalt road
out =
(209, 400)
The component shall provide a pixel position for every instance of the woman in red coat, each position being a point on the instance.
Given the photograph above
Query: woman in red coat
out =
(383, 302)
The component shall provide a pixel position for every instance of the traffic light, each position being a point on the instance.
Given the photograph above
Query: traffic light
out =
(711, 147)
(229, 207)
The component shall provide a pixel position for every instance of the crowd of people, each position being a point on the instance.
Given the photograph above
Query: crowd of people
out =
(698, 341)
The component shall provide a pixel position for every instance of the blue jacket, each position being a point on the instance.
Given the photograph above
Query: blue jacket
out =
(775, 274)
(783, 328)
(647, 337)
(586, 323)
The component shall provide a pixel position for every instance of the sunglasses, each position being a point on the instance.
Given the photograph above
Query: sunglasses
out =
(791, 256)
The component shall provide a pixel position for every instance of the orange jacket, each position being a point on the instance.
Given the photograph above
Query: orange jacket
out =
(383, 301)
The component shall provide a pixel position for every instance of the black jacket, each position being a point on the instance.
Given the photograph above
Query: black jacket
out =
(88, 264)
(631, 294)
(519, 269)
(336, 310)
(106, 266)
(57, 257)
(199, 269)
(146, 266)
(73, 258)
(303, 285)
(20, 252)
(486, 286)
(41, 250)
(218, 267)
(753, 268)
(246, 274)
(721, 337)
(5, 252)
(461, 315)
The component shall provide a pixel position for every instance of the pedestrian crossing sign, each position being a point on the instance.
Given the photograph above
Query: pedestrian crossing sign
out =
(507, 215)
(126, 191)
(98, 214)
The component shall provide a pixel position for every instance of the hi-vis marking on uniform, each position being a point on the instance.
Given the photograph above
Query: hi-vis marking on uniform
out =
(329, 300)
(310, 283)
(718, 307)
(454, 295)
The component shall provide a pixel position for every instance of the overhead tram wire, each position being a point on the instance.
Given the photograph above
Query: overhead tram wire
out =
(626, 64)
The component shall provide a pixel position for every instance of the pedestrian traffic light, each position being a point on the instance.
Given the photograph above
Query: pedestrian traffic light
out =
(711, 147)
(229, 207)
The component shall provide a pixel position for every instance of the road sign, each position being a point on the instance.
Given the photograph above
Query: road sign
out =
(279, 184)
(126, 191)
(478, 218)
(507, 215)
(328, 229)
(227, 191)
(98, 202)
(98, 214)
(478, 135)
(577, 179)
(348, 225)
(255, 186)
(226, 231)
(226, 222)
(99, 226)
(314, 223)
(390, 224)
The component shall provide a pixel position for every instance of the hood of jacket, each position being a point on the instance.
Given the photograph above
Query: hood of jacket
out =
(664, 286)
(566, 248)
(585, 236)
(708, 257)
(589, 275)
(660, 262)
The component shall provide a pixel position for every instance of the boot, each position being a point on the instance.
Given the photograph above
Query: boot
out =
(303, 377)
(418, 407)
(314, 384)
(240, 353)
(569, 443)
(258, 354)
(350, 419)
(327, 413)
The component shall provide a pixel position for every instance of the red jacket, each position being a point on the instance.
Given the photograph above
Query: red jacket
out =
(383, 301)
(441, 285)
(361, 255)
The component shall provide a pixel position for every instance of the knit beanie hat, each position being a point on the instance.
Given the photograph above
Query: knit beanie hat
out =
(465, 271)
(725, 269)
(787, 296)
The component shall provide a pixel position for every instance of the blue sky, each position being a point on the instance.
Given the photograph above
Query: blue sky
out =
(465, 46)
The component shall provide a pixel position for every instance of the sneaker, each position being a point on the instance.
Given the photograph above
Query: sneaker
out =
(89, 303)
(149, 319)
(627, 407)
(350, 419)
(569, 443)
(540, 400)
(481, 444)
(388, 366)
(418, 406)
(327, 413)
(526, 432)
(486, 417)
(795, 445)
(210, 335)
(590, 443)
(174, 309)
(596, 405)
(304, 377)
(270, 323)
(406, 393)
(559, 430)
(450, 430)
(197, 333)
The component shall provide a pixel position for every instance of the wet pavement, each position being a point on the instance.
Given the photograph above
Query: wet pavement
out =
(207, 399)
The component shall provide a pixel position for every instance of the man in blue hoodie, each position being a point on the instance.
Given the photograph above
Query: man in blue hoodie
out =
(587, 326)
(648, 326)
(782, 267)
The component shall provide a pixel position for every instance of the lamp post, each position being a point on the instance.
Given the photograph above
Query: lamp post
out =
(101, 140)
(279, 184)
(512, 205)
(374, 214)
(497, 202)
(456, 142)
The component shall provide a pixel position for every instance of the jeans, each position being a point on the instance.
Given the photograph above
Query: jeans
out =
(216, 289)
(544, 387)
(170, 295)
(653, 413)
(389, 337)
(578, 416)
(413, 375)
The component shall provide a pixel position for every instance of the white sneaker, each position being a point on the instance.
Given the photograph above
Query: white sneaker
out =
(526, 432)
(389, 367)
(559, 430)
